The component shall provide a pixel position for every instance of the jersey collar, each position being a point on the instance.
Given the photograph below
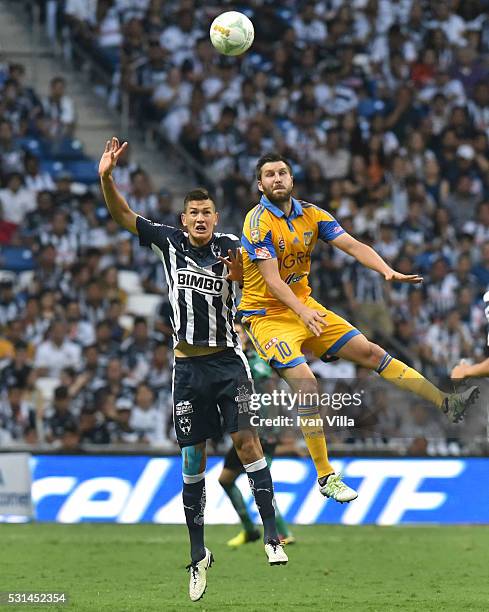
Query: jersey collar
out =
(295, 211)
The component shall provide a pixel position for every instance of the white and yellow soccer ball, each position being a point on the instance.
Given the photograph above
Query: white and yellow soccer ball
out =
(232, 33)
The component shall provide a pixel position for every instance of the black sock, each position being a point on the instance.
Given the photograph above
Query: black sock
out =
(194, 504)
(262, 488)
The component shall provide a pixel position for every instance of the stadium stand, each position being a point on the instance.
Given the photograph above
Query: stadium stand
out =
(383, 109)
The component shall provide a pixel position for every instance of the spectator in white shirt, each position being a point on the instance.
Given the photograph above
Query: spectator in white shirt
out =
(146, 419)
(15, 200)
(11, 155)
(447, 342)
(59, 109)
(180, 38)
(34, 178)
(81, 10)
(453, 25)
(57, 352)
(333, 160)
(308, 28)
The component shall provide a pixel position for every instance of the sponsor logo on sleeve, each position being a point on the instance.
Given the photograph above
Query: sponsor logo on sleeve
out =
(263, 253)
(255, 235)
(270, 343)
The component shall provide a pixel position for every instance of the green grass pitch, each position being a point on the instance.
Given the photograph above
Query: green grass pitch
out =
(121, 568)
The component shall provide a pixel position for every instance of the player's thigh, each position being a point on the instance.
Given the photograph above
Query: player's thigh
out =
(336, 334)
(231, 386)
(300, 378)
(278, 338)
(195, 413)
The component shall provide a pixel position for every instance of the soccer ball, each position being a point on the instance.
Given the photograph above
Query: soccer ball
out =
(232, 33)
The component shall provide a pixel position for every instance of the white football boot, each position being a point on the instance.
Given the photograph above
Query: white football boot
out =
(198, 575)
(332, 486)
(275, 553)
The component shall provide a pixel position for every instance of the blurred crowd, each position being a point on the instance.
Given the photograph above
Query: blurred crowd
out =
(382, 106)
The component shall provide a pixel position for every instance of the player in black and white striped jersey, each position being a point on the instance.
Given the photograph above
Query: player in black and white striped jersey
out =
(469, 370)
(201, 299)
(211, 377)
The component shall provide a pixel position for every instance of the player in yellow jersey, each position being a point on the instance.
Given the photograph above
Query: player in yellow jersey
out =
(283, 320)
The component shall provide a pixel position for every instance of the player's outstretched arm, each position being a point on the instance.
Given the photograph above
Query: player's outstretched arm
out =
(370, 259)
(312, 319)
(465, 370)
(117, 205)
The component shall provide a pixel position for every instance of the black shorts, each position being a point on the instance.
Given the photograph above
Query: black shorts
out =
(208, 389)
(233, 463)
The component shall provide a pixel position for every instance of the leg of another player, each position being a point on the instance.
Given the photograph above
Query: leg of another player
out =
(251, 456)
(250, 533)
(285, 534)
(303, 382)
(369, 355)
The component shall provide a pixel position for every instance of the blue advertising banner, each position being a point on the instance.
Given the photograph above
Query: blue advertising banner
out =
(133, 489)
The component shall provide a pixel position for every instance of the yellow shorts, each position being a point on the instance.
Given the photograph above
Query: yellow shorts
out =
(281, 339)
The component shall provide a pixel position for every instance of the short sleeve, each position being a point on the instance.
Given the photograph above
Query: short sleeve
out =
(152, 233)
(257, 236)
(328, 227)
(232, 242)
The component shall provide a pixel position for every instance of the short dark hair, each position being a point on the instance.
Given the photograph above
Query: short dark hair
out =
(271, 157)
(61, 392)
(200, 195)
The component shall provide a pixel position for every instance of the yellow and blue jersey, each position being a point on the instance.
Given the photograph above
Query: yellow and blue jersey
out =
(268, 233)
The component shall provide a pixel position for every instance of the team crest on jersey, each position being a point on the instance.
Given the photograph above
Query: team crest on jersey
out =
(185, 424)
(243, 399)
(270, 343)
(308, 238)
(255, 235)
(216, 249)
(281, 244)
(183, 407)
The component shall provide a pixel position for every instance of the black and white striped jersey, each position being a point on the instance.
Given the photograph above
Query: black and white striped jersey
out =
(202, 301)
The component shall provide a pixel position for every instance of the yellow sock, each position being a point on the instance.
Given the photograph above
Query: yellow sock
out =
(404, 377)
(313, 432)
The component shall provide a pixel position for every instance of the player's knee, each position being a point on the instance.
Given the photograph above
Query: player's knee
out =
(375, 354)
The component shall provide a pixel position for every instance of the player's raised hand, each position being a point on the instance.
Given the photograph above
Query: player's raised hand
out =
(460, 371)
(108, 161)
(234, 263)
(397, 277)
(313, 320)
